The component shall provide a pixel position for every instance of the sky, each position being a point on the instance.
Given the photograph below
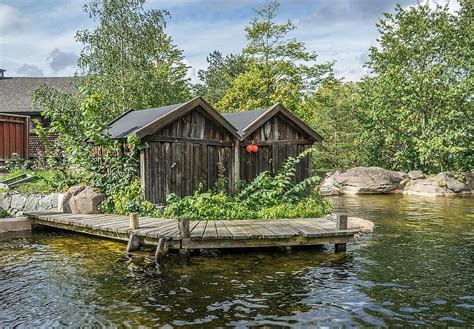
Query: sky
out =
(37, 36)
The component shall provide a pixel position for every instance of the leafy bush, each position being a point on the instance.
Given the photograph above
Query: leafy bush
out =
(265, 197)
(16, 163)
(206, 205)
(129, 199)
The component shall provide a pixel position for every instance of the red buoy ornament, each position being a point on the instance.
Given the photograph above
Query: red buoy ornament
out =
(252, 148)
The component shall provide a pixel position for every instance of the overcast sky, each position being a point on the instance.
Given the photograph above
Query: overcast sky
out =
(37, 36)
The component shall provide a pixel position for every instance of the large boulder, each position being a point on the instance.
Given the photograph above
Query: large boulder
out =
(18, 201)
(470, 181)
(356, 223)
(360, 224)
(363, 180)
(442, 184)
(86, 201)
(416, 174)
(446, 179)
(71, 192)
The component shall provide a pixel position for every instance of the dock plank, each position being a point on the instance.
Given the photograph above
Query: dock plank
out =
(241, 230)
(198, 230)
(210, 232)
(222, 230)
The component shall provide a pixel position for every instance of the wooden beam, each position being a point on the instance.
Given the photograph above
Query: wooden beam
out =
(281, 141)
(133, 243)
(161, 249)
(183, 225)
(341, 221)
(236, 165)
(133, 218)
(143, 173)
(184, 231)
(341, 224)
(262, 242)
(186, 140)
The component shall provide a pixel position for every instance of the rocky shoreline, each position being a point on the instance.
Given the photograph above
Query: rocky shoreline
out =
(375, 180)
(14, 203)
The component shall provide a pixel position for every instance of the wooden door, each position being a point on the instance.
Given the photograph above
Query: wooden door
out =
(14, 132)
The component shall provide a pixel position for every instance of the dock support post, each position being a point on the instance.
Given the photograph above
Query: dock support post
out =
(183, 225)
(133, 243)
(161, 249)
(133, 218)
(341, 224)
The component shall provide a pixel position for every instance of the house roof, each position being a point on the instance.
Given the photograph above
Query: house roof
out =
(16, 93)
(248, 121)
(146, 122)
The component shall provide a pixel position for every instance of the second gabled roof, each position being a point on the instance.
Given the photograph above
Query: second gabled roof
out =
(248, 121)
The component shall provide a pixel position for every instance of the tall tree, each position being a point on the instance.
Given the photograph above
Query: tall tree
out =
(333, 112)
(129, 59)
(217, 79)
(418, 100)
(280, 69)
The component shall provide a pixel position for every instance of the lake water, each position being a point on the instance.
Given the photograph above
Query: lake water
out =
(416, 269)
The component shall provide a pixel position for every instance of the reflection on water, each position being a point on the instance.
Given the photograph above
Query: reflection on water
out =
(416, 269)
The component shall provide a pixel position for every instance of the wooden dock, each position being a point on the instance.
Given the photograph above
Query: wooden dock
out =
(184, 235)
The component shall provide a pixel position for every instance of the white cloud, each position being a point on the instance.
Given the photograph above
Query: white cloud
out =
(11, 20)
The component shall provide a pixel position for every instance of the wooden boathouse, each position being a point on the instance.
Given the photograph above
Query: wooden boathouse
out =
(191, 144)
(278, 133)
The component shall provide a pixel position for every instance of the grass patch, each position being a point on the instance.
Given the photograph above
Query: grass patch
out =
(44, 181)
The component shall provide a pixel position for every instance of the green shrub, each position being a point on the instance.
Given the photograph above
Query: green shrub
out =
(206, 205)
(129, 198)
(308, 208)
(266, 197)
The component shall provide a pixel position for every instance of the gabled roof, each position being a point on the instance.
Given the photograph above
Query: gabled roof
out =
(248, 121)
(146, 122)
(16, 93)
(240, 120)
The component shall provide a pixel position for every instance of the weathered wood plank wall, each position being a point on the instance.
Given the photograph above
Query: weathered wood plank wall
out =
(184, 154)
(277, 140)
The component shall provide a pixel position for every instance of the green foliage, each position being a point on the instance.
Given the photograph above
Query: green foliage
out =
(418, 100)
(16, 163)
(309, 208)
(3, 213)
(206, 205)
(129, 59)
(45, 181)
(217, 79)
(333, 112)
(279, 68)
(263, 198)
(129, 199)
